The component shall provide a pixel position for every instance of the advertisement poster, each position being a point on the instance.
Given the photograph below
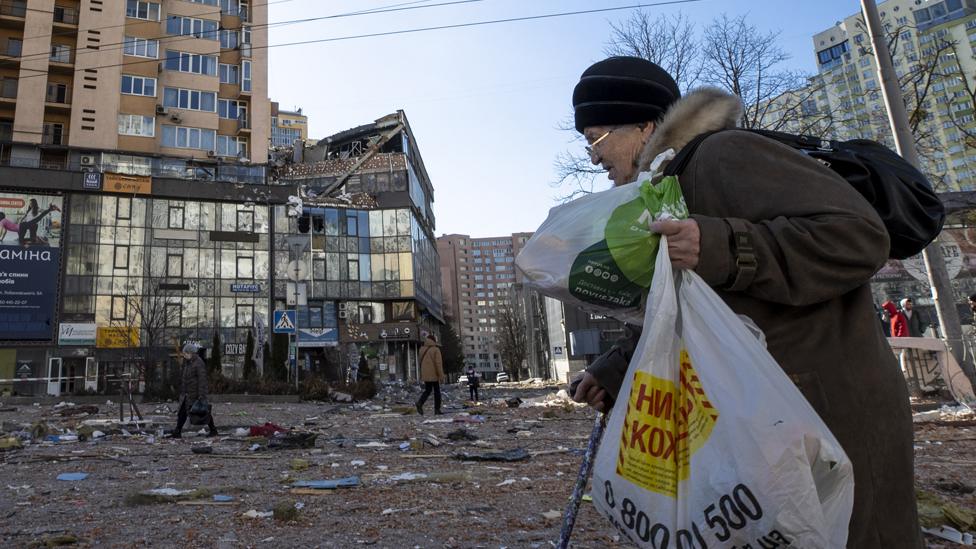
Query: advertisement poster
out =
(30, 256)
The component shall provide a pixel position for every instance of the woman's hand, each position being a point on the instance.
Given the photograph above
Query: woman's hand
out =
(684, 241)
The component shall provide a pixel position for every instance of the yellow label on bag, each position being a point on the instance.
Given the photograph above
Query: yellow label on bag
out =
(665, 424)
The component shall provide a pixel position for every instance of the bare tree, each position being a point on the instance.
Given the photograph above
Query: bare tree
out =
(731, 54)
(667, 41)
(511, 338)
(746, 62)
(151, 323)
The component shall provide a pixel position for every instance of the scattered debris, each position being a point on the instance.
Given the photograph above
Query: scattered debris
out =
(517, 454)
(207, 449)
(347, 482)
(461, 434)
(10, 443)
(72, 476)
(286, 512)
(299, 464)
(267, 430)
(513, 402)
(257, 514)
(79, 410)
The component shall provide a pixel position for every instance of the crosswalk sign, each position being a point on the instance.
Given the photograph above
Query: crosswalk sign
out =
(284, 321)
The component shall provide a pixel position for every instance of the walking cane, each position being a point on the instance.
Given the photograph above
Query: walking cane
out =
(569, 518)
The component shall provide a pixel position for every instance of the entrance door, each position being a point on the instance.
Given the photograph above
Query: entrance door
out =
(91, 374)
(54, 376)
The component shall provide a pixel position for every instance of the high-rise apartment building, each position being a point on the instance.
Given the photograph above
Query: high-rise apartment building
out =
(479, 278)
(287, 126)
(178, 78)
(933, 44)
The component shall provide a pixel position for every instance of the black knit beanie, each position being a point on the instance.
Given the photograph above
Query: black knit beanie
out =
(622, 90)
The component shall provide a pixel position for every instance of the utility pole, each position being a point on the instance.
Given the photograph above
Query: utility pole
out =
(942, 294)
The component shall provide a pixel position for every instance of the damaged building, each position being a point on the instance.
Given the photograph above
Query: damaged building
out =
(357, 259)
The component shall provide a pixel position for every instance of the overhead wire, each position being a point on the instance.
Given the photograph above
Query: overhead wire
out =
(175, 38)
(422, 29)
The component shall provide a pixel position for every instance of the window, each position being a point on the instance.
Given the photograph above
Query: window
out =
(191, 62)
(245, 221)
(246, 41)
(138, 85)
(194, 100)
(230, 74)
(137, 125)
(180, 137)
(245, 75)
(189, 26)
(57, 93)
(207, 2)
(174, 266)
(228, 39)
(123, 208)
(231, 146)
(245, 267)
(353, 265)
(60, 53)
(175, 217)
(231, 109)
(245, 316)
(142, 10)
(174, 315)
(118, 307)
(121, 257)
(141, 47)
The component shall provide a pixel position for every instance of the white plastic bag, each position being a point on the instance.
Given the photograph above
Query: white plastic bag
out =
(709, 444)
(597, 252)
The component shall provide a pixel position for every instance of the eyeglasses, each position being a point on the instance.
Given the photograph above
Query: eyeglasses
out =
(591, 148)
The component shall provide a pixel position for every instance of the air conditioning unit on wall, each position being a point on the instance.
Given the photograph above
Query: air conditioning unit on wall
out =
(343, 314)
(161, 110)
(87, 160)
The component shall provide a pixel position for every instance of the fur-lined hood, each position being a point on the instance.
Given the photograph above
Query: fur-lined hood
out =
(703, 110)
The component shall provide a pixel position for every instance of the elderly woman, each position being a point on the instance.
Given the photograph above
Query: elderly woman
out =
(782, 240)
(193, 387)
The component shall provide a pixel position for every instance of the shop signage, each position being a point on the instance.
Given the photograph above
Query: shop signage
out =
(29, 265)
(77, 334)
(318, 337)
(127, 184)
(117, 338)
(24, 369)
(93, 181)
(235, 348)
(242, 287)
(396, 333)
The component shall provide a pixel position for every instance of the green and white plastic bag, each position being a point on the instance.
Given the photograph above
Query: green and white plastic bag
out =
(709, 444)
(597, 252)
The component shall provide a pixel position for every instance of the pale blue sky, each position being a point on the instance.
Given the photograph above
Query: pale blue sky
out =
(484, 102)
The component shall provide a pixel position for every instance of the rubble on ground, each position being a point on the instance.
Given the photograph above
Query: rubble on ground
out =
(492, 473)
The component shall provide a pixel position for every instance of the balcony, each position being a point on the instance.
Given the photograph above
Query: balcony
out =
(58, 98)
(8, 89)
(11, 51)
(65, 16)
(13, 9)
(6, 131)
(243, 124)
(54, 134)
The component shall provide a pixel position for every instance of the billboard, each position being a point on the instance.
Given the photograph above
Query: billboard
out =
(30, 258)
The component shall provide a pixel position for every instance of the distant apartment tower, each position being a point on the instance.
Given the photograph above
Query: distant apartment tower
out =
(184, 78)
(478, 277)
(287, 126)
(935, 39)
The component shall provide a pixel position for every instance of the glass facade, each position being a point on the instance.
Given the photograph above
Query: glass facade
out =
(190, 255)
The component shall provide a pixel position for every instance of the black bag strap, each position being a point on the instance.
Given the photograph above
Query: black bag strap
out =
(424, 354)
(683, 157)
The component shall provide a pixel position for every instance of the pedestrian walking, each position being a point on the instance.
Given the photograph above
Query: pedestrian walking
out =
(431, 373)
(783, 240)
(473, 382)
(916, 328)
(899, 323)
(193, 389)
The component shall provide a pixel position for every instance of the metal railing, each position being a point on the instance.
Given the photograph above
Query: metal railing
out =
(8, 88)
(13, 8)
(243, 123)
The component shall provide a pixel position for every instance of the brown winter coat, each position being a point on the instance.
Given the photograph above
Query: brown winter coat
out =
(431, 364)
(817, 243)
(194, 379)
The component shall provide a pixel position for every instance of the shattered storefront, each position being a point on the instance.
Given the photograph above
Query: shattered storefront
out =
(899, 279)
